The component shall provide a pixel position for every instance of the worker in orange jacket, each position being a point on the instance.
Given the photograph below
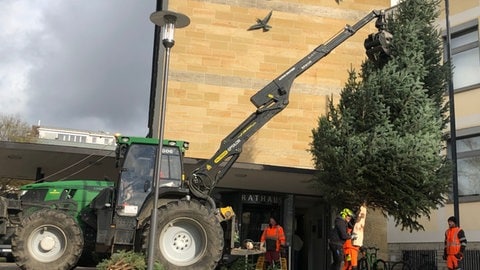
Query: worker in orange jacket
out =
(455, 244)
(350, 251)
(272, 239)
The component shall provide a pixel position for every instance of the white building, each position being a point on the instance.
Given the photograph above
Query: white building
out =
(75, 136)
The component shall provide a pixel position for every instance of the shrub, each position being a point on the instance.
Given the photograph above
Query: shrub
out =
(126, 260)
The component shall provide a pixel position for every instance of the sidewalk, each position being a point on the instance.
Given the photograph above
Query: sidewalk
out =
(13, 266)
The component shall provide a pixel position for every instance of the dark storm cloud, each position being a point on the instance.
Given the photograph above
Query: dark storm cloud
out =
(93, 66)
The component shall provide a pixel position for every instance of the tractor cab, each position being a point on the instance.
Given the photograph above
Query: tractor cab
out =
(118, 211)
(137, 159)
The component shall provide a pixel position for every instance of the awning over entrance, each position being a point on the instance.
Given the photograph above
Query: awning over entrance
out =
(30, 161)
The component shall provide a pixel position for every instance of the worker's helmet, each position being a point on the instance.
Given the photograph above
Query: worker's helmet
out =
(347, 212)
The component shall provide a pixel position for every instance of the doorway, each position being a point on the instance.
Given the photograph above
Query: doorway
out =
(312, 225)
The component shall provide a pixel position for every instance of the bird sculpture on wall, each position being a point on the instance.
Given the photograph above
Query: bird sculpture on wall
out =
(262, 24)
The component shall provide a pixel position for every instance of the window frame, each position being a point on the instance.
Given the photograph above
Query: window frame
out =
(461, 135)
(458, 31)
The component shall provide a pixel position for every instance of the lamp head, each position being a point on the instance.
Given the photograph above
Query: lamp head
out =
(168, 20)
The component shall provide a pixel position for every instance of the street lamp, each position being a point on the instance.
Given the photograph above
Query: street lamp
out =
(167, 20)
(453, 127)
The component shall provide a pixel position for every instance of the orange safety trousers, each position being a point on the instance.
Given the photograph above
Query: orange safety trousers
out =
(351, 254)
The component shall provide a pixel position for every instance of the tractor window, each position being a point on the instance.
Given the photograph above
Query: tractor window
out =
(67, 194)
(136, 176)
(171, 170)
(175, 168)
(33, 195)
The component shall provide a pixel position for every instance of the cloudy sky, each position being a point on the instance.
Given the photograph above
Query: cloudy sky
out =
(77, 64)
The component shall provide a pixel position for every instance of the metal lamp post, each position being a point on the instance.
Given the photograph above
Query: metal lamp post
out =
(167, 20)
(453, 127)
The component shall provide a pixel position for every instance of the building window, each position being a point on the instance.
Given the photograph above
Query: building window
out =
(465, 56)
(468, 166)
(62, 137)
(72, 138)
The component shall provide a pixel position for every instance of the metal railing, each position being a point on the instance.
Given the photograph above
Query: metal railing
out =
(471, 260)
(420, 259)
(427, 259)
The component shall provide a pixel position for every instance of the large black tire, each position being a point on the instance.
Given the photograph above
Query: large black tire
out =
(47, 240)
(188, 236)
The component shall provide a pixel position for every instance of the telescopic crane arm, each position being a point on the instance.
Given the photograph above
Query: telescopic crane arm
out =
(269, 101)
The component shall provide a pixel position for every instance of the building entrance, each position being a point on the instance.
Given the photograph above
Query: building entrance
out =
(254, 220)
(303, 218)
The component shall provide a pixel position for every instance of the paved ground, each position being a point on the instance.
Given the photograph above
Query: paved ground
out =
(8, 266)
(13, 266)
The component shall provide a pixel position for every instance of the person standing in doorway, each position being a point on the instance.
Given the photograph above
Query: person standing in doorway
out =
(337, 237)
(297, 244)
(455, 244)
(273, 237)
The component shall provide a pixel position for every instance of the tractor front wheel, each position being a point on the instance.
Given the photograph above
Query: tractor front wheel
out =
(47, 239)
(189, 236)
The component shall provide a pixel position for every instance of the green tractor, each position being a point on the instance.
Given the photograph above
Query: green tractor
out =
(57, 225)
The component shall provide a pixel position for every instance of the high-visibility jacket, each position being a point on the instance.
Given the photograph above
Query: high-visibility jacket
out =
(275, 233)
(455, 241)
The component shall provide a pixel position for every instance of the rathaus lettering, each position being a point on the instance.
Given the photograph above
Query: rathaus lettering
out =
(259, 198)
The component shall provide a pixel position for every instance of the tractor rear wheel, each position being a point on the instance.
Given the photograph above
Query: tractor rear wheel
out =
(188, 236)
(47, 239)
